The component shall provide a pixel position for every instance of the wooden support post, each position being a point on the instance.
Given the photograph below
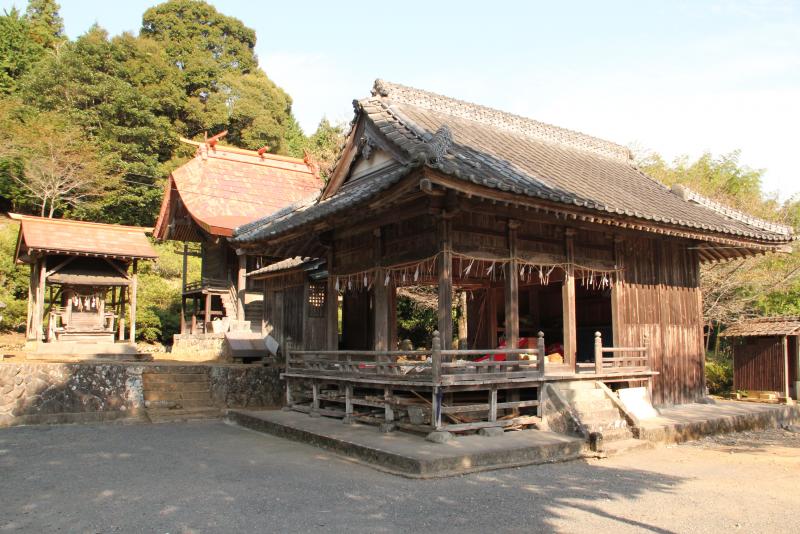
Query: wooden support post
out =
(33, 280)
(436, 408)
(289, 397)
(598, 353)
(134, 289)
(436, 358)
(541, 352)
(445, 285)
(493, 405)
(381, 296)
(616, 295)
(121, 325)
(40, 286)
(207, 316)
(392, 313)
(512, 291)
(315, 396)
(183, 314)
(241, 287)
(568, 302)
(786, 368)
(388, 411)
(348, 402)
(331, 308)
(185, 268)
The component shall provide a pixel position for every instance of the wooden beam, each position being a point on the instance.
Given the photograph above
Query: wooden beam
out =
(121, 323)
(381, 296)
(40, 287)
(33, 279)
(617, 294)
(134, 291)
(568, 301)
(332, 308)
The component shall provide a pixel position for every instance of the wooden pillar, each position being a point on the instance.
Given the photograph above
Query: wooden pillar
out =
(331, 307)
(134, 291)
(616, 295)
(512, 290)
(40, 286)
(207, 315)
(392, 313)
(241, 287)
(445, 284)
(598, 353)
(568, 301)
(121, 325)
(33, 280)
(381, 295)
(493, 404)
(436, 370)
(183, 314)
(185, 270)
(786, 367)
(463, 333)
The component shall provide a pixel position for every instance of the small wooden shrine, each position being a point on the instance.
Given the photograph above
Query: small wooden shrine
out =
(221, 188)
(83, 282)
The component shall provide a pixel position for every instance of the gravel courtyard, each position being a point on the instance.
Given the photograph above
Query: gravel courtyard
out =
(213, 477)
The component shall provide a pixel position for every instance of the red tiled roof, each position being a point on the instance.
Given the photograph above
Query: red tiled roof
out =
(222, 188)
(79, 238)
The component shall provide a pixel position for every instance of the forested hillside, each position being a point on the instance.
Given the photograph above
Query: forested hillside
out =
(89, 128)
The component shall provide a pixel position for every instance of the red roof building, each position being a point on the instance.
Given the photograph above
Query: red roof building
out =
(205, 199)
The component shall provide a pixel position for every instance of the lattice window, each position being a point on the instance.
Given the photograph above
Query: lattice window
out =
(316, 299)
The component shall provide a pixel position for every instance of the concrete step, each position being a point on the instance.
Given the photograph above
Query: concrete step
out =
(612, 432)
(162, 378)
(199, 394)
(592, 405)
(613, 448)
(609, 414)
(179, 403)
(583, 394)
(166, 415)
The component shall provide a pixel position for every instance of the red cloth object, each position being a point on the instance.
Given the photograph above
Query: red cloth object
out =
(524, 343)
(555, 348)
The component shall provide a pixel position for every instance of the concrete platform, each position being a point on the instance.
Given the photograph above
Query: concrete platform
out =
(411, 455)
(693, 421)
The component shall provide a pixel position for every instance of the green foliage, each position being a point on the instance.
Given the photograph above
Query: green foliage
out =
(13, 280)
(47, 26)
(719, 373)
(324, 145)
(18, 50)
(415, 321)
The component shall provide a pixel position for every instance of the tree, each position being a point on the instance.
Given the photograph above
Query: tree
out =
(225, 90)
(46, 24)
(18, 50)
(324, 145)
(60, 168)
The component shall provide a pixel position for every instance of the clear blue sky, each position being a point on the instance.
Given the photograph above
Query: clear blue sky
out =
(676, 77)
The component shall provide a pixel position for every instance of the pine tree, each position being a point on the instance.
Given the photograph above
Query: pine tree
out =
(46, 24)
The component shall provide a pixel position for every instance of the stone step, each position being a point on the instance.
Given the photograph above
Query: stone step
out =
(587, 394)
(161, 378)
(612, 432)
(613, 448)
(166, 415)
(178, 404)
(199, 394)
(600, 416)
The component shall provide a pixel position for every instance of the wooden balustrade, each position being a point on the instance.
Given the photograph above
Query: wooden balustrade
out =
(621, 359)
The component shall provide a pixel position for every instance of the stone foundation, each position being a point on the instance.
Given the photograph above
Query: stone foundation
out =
(83, 392)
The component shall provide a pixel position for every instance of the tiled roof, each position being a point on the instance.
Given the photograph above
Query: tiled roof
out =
(513, 154)
(225, 187)
(79, 238)
(289, 264)
(764, 326)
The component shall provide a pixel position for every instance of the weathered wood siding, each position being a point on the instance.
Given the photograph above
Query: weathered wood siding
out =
(659, 295)
(759, 364)
(214, 260)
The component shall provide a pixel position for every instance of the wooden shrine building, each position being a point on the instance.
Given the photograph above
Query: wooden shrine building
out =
(219, 189)
(766, 355)
(83, 280)
(576, 263)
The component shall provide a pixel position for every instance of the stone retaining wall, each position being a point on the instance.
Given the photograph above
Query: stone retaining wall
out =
(82, 392)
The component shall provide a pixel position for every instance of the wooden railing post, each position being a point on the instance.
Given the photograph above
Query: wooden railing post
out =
(287, 352)
(436, 358)
(647, 351)
(598, 353)
(540, 351)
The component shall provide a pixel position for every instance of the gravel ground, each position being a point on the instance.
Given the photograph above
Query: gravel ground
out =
(213, 477)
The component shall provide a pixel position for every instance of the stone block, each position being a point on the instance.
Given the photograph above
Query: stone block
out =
(439, 436)
(491, 432)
